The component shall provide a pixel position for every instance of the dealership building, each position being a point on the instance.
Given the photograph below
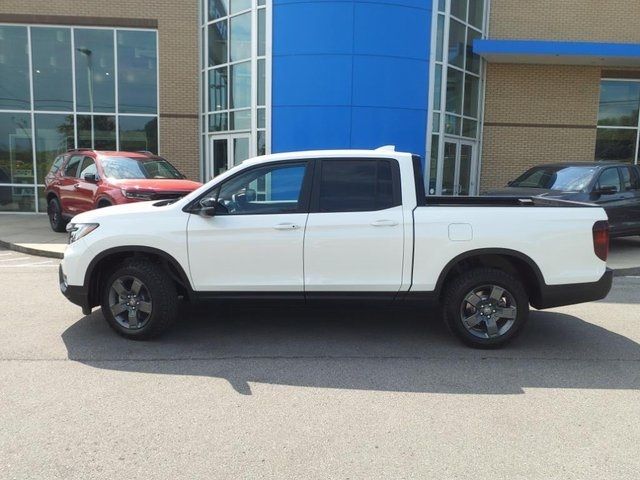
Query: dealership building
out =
(481, 89)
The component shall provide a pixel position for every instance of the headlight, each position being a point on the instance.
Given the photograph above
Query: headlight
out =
(79, 230)
(138, 194)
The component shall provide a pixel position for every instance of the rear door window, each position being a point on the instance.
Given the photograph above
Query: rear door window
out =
(357, 185)
(71, 170)
(57, 163)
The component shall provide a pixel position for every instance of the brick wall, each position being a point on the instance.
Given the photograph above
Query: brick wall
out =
(537, 114)
(178, 63)
(588, 20)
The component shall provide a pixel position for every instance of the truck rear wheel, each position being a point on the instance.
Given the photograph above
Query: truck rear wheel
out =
(485, 307)
(139, 300)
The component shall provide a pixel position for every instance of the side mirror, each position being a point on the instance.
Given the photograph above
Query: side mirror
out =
(606, 190)
(90, 177)
(208, 207)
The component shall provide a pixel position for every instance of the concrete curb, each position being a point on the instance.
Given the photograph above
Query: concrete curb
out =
(620, 272)
(31, 251)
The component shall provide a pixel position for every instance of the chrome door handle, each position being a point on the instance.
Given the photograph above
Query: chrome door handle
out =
(286, 226)
(384, 223)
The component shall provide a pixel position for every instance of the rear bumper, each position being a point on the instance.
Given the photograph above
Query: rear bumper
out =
(570, 294)
(75, 294)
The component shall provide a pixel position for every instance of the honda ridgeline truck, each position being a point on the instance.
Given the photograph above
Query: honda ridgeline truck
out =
(341, 224)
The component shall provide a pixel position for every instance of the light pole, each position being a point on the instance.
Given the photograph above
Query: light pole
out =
(87, 52)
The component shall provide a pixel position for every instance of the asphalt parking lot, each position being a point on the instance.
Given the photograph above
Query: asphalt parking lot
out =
(242, 391)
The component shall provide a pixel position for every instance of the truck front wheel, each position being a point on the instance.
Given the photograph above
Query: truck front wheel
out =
(139, 300)
(485, 307)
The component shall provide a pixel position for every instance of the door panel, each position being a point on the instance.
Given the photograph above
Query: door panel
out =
(86, 191)
(354, 240)
(68, 181)
(256, 242)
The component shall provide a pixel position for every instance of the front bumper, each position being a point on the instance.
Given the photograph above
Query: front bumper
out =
(570, 294)
(75, 294)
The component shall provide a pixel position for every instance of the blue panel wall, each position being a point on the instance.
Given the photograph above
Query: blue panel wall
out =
(350, 74)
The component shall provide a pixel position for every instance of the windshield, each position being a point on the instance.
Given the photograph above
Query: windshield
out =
(122, 168)
(566, 179)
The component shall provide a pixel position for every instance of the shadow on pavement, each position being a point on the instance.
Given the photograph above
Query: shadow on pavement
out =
(383, 349)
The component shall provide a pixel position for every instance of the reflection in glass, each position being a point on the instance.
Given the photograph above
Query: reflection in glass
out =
(261, 118)
(218, 81)
(261, 82)
(619, 102)
(435, 122)
(137, 71)
(42, 200)
(17, 199)
(473, 59)
(437, 88)
(14, 68)
(471, 92)
(218, 122)
(459, 9)
(616, 144)
(218, 43)
(476, 13)
(456, 43)
(83, 127)
(261, 147)
(262, 32)
(454, 91)
(95, 83)
(240, 85)
(16, 160)
(241, 120)
(240, 150)
(240, 5)
(449, 168)
(240, 37)
(218, 9)
(138, 133)
(464, 176)
(433, 165)
(469, 128)
(54, 135)
(439, 38)
(52, 77)
(104, 132)
(452, 125)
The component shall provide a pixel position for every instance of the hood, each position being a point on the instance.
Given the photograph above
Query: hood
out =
(136, 208)
(157, 184)
(526, 192)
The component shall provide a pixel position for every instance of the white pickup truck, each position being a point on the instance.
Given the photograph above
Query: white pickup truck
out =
(340, 224)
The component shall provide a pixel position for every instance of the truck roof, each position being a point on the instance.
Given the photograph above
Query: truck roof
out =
(382, 152)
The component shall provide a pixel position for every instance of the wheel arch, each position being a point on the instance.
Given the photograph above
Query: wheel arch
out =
(103, 263)
(510, 261)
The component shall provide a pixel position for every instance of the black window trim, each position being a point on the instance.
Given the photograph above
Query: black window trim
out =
(395, 183)
(305, 191)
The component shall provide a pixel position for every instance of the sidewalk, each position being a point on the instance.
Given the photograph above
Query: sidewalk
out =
(31, 233)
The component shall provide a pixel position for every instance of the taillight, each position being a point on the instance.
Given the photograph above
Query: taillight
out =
(601, 239)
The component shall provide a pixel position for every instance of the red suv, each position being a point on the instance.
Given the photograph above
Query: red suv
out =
(82, 180)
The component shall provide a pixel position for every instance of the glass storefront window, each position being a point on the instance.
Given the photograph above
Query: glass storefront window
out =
(138, 133)
(616, 144)
(457, 43)
(54, 135)
(218, 43)
(60, 113)
(218, 91)
(619, 102)
(473, 59)
(471, 93)
(14, 68)
(454, 91)
(240, 85)
(240, 37)
(459, 9)
(137, 72)
(95, 74)
(476, 13)
(218, 9)
(16, 157)
(52, 71)
(17, 198)
(618, 122)
(240, 5)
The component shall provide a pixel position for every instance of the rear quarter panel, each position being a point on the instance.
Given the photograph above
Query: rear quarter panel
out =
(558, 239)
